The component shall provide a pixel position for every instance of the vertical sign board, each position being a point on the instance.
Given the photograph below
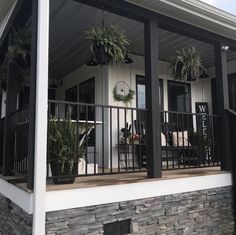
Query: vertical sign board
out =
(202, 121)
(203, 127)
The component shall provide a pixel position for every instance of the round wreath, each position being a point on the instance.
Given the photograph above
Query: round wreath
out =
(123, 98)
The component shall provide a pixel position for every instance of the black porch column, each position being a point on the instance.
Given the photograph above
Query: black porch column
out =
(152, 99)
(222, 104)
(11, 103)
(32, 100)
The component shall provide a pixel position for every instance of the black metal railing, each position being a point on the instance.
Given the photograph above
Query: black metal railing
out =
(19, 133)
(88, 139)
(2, 122)
(189, 140)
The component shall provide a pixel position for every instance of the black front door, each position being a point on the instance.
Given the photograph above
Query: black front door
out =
(179, 100)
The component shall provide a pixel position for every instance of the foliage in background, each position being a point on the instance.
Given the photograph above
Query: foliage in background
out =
(19, 44)
(18, 51)
(112, 39)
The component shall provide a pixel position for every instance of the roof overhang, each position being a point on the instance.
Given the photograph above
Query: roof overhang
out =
(194, 12)
(6, 10)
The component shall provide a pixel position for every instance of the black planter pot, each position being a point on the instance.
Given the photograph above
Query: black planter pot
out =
(190, 76)
(102, 57)
(66, 176)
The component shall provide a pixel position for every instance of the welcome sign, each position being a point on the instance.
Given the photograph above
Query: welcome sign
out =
(202, 121)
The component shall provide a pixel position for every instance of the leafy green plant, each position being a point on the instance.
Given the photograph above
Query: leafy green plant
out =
(64, 149)
(18, 52)
(186, 65)
(19, 46)
(108, 39)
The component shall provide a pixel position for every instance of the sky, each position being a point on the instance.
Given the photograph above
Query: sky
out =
(227, 5)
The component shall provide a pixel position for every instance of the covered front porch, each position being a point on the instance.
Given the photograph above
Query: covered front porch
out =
(167, 124)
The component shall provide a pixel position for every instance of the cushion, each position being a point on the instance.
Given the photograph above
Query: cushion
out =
(180, 138)
(163, 140)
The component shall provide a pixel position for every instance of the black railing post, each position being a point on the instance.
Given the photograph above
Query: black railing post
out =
(11, 102)
(222, 104)
(152, 102)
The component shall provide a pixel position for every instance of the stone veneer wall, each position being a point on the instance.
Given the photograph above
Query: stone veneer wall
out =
(204, 212)
(13, 220)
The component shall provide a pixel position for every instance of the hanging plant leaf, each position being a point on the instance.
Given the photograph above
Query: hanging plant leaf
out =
(187, 64)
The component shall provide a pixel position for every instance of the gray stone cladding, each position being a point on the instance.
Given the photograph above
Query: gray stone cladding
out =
(204, 212)
(13, 220)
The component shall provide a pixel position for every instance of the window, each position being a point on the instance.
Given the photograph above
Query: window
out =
(141, 92)
(87, 95)
(179, 96)
(71, 96)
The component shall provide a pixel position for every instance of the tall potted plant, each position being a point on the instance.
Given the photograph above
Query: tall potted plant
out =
(108, 44)
(64, 150)
(187, 64)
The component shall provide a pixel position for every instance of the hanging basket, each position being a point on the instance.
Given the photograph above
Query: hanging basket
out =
(102, 57)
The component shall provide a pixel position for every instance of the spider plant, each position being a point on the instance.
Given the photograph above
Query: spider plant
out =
(108, 44)
(186, 65)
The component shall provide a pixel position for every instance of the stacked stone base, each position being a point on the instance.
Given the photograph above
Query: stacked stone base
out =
(204, 212)
(13, 220)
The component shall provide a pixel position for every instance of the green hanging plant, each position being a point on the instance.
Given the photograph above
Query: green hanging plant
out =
(108, 44)
(187, 64)
(19, 46)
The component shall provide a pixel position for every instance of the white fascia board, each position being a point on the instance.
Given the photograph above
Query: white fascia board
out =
(6, 14)
(75, 198)
(204, 11)
(21, 198)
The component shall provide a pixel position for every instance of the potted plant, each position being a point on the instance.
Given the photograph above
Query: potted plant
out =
(108, 44)
(187, 64)
(64, 151)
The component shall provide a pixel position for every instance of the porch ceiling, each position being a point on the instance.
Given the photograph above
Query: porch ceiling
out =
(194, 12)
(69, 48)
(6, 7)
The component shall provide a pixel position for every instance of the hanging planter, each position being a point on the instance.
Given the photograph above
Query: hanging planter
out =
(186, 65)
(18, 53)
(108, 44)
(19, 47)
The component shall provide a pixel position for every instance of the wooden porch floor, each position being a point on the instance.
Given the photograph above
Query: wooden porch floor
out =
(103, 180)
